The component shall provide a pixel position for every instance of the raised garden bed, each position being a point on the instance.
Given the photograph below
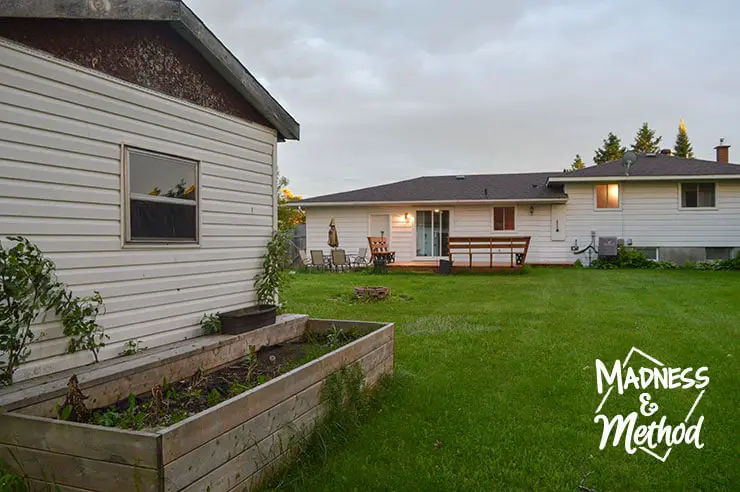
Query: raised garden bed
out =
(230, 446)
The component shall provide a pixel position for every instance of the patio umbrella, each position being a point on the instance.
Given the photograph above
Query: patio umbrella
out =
(333, 236)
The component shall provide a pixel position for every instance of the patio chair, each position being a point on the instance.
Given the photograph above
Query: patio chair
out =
(317, 259)
(305, 260)
(339, 259)
(360, 259)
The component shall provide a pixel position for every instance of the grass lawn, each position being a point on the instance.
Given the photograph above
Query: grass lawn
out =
(495, 384)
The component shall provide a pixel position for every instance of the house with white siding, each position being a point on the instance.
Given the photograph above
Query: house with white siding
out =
(140, 155)
(668, 207)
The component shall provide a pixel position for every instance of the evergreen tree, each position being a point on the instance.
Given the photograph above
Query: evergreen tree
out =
(610, 151)
(683, 145)
(646, 141)
(577, 163)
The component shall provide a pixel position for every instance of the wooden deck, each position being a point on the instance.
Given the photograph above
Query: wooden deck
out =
(433, 266)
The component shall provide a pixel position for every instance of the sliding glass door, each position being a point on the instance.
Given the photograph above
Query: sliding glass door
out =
(432, 232)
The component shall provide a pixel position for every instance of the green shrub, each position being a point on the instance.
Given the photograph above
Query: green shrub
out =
(630, 258)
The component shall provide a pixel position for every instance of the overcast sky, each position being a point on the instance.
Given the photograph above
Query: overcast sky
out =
(386, 90)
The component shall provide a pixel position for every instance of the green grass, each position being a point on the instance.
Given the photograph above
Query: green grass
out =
(495, 382)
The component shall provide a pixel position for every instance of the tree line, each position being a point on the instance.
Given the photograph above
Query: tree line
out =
(645, 141)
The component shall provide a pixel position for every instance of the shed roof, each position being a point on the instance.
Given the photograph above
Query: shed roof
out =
(185, 22)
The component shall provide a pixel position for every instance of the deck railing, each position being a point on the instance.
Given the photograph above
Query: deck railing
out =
(515, 247)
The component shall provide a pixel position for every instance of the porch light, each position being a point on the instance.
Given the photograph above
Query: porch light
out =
(531, 210)
(436, 210)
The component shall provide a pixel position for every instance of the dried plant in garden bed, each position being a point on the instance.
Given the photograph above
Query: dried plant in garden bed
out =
(171, 402)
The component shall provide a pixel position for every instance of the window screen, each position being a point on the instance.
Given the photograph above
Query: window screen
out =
(162, 198)
(697, 195)
(503, 219)
(607, 196)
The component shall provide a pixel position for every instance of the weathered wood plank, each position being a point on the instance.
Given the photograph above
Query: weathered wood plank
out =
(317, 325)
(87, 441)
(193, 432)
(106, 384)
(44, 486)
(80, 472)
(234, 472)
(199, 462)
(202, 460)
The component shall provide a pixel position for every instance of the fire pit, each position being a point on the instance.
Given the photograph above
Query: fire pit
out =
(372, 292)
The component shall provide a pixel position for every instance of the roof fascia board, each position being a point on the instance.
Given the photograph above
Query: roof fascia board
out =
(429, 202)
(685, 177)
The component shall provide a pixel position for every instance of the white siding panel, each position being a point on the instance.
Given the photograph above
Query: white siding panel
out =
(61, 130)
(19, 207)
(353, 228)
(651, 216)
(466, 220)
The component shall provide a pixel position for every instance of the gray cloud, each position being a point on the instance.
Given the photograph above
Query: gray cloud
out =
(387, 90)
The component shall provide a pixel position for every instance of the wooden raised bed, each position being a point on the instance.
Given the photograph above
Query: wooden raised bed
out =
(230, 446)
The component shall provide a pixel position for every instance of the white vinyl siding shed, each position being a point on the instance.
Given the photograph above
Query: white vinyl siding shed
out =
(62, 128)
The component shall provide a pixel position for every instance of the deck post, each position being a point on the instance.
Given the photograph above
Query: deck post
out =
(511, 253)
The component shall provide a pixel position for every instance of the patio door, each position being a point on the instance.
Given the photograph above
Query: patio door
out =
(432, 233)
(380, 226)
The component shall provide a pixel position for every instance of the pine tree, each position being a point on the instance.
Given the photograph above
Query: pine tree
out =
(646, 141)
(683, 144)
(610, 151)
(577, 163)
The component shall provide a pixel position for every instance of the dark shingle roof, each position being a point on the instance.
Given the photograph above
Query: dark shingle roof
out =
(528, 186)
(648, 165)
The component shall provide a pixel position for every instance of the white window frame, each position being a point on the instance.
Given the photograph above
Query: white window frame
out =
(126, 240)
(656, 248)
(505, 232)
(697, 209)
(414, 222)
(607, 209)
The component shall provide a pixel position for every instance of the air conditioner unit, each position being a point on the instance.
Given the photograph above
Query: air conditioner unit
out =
(607, 245)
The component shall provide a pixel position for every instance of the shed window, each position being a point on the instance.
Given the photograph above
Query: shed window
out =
(607, 196)
(698, 195)
(503, 218)
(162, 198)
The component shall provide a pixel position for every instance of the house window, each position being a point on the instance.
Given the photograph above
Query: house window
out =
(161, 198)
(607, 196)
(651, 253)
(698, 195)
(503, 218)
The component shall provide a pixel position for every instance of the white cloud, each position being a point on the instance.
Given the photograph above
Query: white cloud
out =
(387, 90)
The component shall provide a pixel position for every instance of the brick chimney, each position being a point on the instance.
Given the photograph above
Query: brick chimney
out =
(723, 151)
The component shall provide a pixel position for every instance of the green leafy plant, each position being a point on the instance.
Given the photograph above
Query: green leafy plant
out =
(79, 318)
(214, 397)
(132, 347)
(336, 337)
(28, 289)
(211, 324)
(11, 482)
(273, 277)
(131, 418)
(63, 412)
(630, 258)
